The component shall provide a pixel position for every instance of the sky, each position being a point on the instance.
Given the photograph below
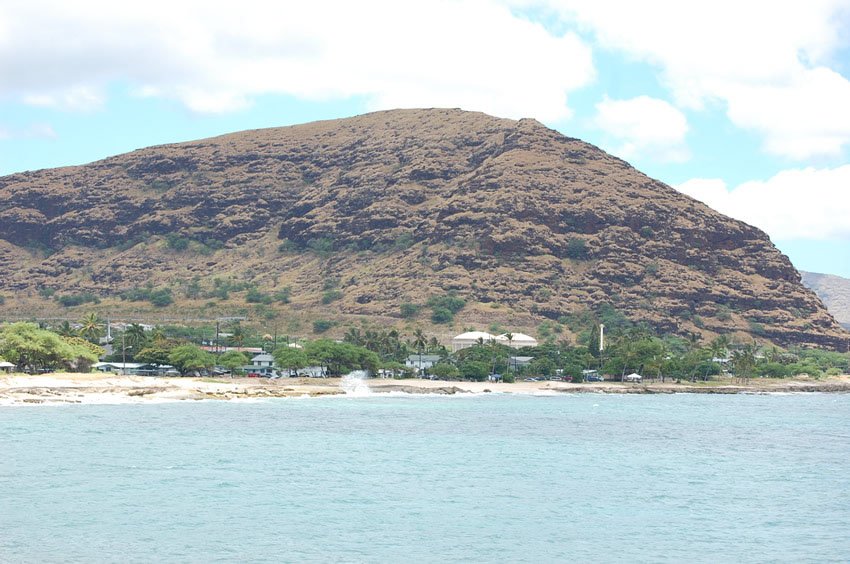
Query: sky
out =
(742, 104)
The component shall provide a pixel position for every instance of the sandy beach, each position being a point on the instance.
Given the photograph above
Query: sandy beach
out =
(18, 389)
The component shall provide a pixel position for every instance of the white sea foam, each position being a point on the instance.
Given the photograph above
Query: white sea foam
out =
(354, 384)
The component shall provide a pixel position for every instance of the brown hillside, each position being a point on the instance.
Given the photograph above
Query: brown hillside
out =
(524, 223)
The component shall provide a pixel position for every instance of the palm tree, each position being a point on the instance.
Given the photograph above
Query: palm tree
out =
(158, 335)
(419, 341)
(135, 337)
(719, 346)
(353, 336)
(744, 361)
(65, 329)
(510, 337)
(237, 335)
(90, 327)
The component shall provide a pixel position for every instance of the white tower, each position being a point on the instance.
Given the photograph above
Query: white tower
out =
(601, 337)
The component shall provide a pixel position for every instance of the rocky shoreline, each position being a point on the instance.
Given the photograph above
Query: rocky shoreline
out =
(89, 388)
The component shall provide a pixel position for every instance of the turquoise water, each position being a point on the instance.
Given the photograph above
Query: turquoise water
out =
(426, 479)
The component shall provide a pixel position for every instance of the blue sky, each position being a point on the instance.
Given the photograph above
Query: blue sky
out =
(745, 106)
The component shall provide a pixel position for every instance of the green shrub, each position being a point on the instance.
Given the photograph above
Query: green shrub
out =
(322, 246)
(577, 248)
(474, 370)
(331, 296)
(444, 371)
(509, 378)
(264, 311)
(408, 310)
(283, 295)
(71, 300)
(450, 302)
(161, 297)
(404, 241)
(442, 315)
(254, 296)
(177, 243)
(322, 325)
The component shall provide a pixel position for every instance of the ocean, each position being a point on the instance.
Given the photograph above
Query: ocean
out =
(485, 478)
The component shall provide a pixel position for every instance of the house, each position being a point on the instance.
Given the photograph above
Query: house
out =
(263, 359)
(223, 349)
(262, 364)
(470, 339)
(135, 368)
(422, 362)
(6, 367)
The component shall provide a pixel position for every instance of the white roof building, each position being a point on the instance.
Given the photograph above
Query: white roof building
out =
(469, 339)
(518, 340)
(424, 361)
(263, 359)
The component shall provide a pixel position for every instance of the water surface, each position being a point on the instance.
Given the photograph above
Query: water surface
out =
(478, 479)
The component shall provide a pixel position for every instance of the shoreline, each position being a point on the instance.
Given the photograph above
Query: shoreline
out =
(59, 389)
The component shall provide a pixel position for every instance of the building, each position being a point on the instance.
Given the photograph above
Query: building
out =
(517, 341)
(263, 359)
(422, 362)
(262, 364)
(470, 339)
(6, 367)
(223, 349)
(136, 368)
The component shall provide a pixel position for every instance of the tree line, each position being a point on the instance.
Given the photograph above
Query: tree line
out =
(75, 347)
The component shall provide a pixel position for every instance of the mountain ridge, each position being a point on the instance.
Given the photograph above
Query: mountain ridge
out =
(396, 206)
(833, 290)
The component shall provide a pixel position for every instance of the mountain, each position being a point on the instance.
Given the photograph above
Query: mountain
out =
(834, 291)
(359, 216)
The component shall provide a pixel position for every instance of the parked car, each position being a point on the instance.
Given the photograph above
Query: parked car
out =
(593, 378)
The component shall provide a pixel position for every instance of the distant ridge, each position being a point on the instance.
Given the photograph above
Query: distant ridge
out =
(355, 218)
(834, 291)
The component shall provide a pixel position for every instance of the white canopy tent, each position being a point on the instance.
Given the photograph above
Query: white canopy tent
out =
(469, 339)
(518, 340)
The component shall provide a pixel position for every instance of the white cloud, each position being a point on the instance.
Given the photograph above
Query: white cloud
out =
(769, 63)
(32, 131)
(804, 203)
(645, 126)
(216, 56)
(78, 97)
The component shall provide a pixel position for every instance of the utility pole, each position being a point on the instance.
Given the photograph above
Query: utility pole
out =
(123, 353)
